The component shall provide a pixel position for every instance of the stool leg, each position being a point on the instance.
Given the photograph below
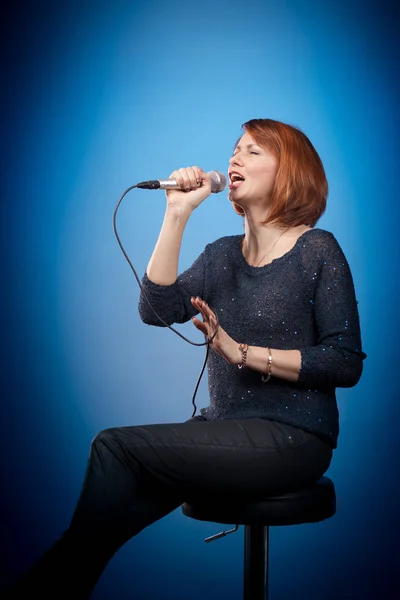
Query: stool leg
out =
(255, 580)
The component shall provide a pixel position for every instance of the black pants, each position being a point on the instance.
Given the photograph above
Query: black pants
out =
(137, 475)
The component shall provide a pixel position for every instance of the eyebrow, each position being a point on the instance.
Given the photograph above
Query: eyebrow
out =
(238, 146)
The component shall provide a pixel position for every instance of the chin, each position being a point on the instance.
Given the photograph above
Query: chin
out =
(233, 197)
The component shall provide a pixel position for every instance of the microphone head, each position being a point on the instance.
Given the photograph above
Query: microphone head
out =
(218, 181)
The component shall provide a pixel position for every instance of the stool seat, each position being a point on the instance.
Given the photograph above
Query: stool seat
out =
(312, 504)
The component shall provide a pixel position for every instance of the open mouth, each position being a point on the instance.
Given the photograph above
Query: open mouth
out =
(235, 180)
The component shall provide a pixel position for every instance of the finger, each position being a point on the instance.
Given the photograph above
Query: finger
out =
(183, 178)
(179, 178)
(207, 310)
(193, 177)
(197, 303)
(201, 176)
(213, 322)
(213, 316)
(189, 178)
(204, 315)
(213, 328)
(200, 326)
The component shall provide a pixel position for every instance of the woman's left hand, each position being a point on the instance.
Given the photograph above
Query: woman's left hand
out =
(222, 342)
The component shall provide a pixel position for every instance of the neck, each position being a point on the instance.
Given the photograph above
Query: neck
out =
(259, 237)
(263, 243)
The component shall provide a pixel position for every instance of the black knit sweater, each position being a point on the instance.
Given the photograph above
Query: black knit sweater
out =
(303, 300)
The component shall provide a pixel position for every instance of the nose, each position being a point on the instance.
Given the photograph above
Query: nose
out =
(236, 159)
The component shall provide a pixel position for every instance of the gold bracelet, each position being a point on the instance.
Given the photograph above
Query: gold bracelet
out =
(243, 349)
(267, 377)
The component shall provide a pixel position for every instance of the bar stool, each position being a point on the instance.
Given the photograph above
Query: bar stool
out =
(310, 505)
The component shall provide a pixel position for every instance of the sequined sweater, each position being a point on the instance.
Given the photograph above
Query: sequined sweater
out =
(303, 300)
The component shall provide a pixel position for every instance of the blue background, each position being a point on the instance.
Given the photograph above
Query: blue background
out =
(101, 95)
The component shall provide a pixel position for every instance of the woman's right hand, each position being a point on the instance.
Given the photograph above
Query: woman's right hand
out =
(195, 186)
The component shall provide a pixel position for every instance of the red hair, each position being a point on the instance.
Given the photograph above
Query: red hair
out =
(301, 188)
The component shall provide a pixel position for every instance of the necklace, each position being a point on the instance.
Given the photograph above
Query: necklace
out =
(273, 245)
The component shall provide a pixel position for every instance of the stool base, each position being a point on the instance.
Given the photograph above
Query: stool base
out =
(255, 581)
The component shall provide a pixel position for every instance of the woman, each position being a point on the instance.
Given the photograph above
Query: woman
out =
(282, 300)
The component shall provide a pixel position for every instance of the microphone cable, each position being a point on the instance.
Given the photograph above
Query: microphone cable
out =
(206, 343)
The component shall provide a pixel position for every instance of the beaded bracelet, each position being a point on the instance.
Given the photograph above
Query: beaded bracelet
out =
(267, 377)
(243, 348)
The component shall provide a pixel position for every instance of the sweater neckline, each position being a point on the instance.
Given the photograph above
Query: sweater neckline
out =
(275, 261)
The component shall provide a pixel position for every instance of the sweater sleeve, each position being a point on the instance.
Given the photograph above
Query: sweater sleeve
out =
(172, 302)
(337, 359)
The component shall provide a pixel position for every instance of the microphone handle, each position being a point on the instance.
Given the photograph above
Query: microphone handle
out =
(218, 183)
(168, 184)
(159, 184)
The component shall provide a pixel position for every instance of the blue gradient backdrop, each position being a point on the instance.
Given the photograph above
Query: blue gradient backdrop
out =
(101, 95)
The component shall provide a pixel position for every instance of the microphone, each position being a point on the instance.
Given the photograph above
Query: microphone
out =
(218, 183)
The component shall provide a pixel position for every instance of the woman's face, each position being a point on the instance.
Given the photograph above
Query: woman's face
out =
(252, 171)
